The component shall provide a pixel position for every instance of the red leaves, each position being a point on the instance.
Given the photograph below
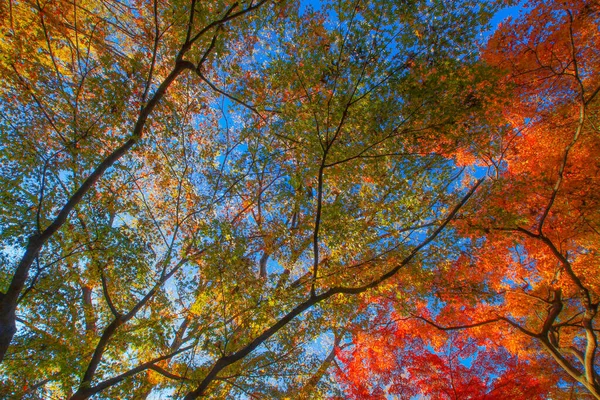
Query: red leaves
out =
(409, 359)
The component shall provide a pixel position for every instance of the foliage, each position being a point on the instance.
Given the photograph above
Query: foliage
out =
(194, 192)
(526, 285)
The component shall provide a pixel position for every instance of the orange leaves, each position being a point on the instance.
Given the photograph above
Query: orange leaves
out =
(548, 53)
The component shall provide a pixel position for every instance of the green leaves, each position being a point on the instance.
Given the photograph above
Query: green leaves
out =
(226, 172)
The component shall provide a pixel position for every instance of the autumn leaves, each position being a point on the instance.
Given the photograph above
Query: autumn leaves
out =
(527, 286)
(194, 191)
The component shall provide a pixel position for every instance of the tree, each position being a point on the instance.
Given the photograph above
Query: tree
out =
(527, 282)
(193, 191)
(73, 57)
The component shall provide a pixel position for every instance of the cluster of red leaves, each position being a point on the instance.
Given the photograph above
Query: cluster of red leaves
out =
(408, 358)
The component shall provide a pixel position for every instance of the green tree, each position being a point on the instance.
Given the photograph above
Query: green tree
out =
(194, 191)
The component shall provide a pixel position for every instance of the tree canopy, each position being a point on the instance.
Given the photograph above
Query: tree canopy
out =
(278, 199)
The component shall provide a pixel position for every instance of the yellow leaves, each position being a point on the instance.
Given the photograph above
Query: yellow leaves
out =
(202, 300)
(56, 37)
(154, 377)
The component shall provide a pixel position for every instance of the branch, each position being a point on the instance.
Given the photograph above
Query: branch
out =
(229, 96)
(8, 302)
(228, 16)
(555, 310)
(224, 361)
(318, 224)
(519, 327)
(119, 320)
(456, 327)
(577, 131)
(306, 390)
(188, 34)
(562, 361)
(86, 393)
(415, 251)
(166, 373)
(591, 346)
(111, 306)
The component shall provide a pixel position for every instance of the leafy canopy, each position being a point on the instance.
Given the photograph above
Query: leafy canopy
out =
(198, 195)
